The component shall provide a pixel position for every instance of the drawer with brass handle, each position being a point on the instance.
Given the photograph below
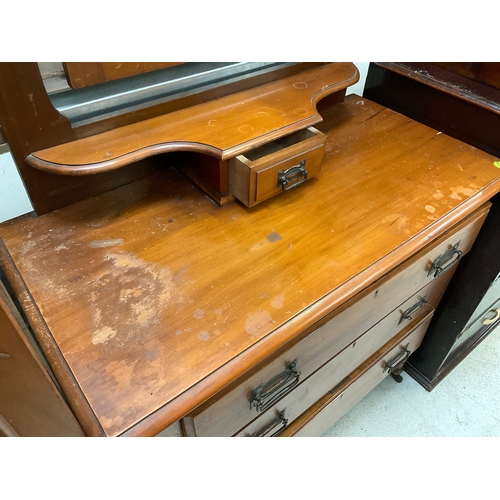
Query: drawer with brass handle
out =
(235, 407)
(346, 331)
(277, 166)
(333, 372)
(336, 402)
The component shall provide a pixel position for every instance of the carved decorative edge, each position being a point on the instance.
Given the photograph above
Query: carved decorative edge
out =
(121, 161)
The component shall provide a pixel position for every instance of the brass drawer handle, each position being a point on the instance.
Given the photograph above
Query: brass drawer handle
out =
(398, 360)
(267, 394)
(408, 313)
(280, 419)
(287, 178)
(492, 320)
(438, 267)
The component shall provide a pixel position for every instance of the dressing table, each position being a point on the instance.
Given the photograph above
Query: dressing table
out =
(248, 260)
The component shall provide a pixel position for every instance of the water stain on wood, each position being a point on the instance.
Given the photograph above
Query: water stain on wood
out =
(204, 336)
(273, 236)
(258, 321)
(138, 293)
(278, 301)
(199, 313)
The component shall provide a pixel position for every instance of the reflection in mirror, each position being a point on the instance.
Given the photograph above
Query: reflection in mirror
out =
(111, 98)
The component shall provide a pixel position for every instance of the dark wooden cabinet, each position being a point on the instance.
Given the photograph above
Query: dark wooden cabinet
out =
(462, 100)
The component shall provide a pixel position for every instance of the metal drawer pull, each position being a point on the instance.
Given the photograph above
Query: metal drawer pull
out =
(285, 177)
(407, 314)
(280, 419)
(267, 394)
(398, 360)
(437, 266)
(492, 320)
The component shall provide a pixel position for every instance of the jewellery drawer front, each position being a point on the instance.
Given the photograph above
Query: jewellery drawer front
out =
(277, 166)
(342, 397)
(314, 387)
(232, 410)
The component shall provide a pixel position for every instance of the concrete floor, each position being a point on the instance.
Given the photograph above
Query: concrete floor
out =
(465, 403)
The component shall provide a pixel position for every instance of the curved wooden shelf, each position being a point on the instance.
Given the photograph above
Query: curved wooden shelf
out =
(222, 128)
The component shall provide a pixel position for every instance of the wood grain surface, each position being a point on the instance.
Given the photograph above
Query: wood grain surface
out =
(222, 128)
(155, 299)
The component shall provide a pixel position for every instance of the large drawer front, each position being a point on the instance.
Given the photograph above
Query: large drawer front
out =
(235, 408)
(342, 397)
(409, 314)
(314, 387)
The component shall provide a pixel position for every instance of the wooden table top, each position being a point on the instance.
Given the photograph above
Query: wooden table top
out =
(150, 298)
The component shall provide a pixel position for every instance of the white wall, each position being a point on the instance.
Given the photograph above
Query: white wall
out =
(360, 86)
(13, 198)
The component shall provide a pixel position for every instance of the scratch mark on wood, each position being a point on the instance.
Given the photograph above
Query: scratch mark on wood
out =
(31, 99)
(106, 243)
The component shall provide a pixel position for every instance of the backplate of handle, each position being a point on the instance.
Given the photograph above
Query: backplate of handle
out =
(399, 359)
(278, 420)
(265, 395)
(292, 177)
(408, 313)
(446, 260)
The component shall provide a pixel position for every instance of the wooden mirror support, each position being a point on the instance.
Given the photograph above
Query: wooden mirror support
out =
(248, 113)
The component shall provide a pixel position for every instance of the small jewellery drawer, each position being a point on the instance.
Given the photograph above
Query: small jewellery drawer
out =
(277, 166)
(313, 388)
(343, 396)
